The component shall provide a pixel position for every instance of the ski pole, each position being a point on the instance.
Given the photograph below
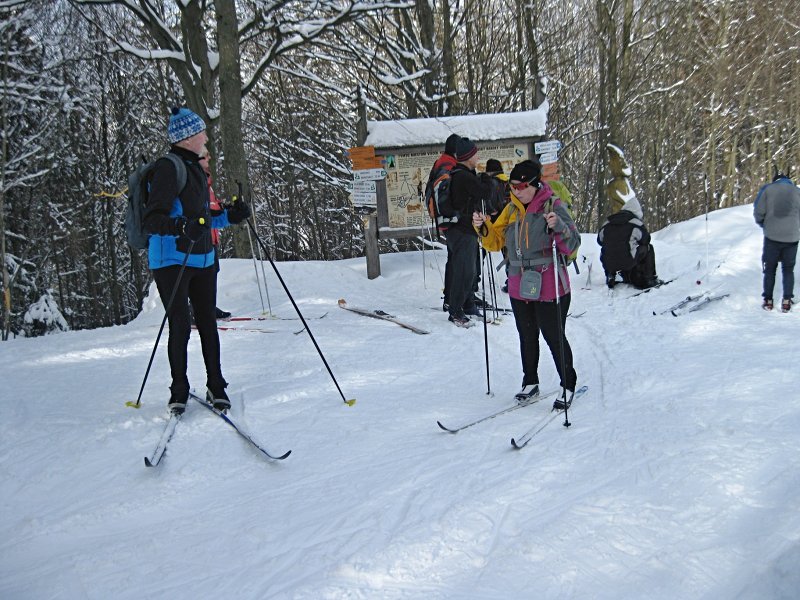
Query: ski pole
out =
(300, 314)
(253, 253)
(138, 402)
(260, 260)
(485, 328)
(493, 288)
(424, 278)
(560, 334)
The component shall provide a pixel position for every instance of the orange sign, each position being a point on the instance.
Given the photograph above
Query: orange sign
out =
(550, 172)
(361, 151)
(376, 162)
(363, 157)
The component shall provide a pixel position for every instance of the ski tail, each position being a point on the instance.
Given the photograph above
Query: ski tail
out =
(161, 448)
(238, 429)
(497, 413)
(520, 442)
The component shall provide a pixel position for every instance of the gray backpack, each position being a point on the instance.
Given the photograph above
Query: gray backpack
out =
(138, 191)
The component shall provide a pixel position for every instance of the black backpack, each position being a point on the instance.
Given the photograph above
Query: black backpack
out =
(138, 191)
(500, 196)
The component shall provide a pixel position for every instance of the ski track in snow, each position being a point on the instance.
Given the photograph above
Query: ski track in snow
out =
(677, 479)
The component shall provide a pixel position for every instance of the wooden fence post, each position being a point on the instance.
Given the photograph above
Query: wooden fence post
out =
(371, 246)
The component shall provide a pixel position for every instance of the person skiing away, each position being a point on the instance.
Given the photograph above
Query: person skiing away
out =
(626, 248)
(179, 222)
(527, 228)
(777, 211)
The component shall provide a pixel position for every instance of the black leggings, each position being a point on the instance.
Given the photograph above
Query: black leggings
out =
(199, 286)
(533, 317)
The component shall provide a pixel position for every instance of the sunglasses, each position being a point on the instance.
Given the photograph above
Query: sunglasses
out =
(517, 187)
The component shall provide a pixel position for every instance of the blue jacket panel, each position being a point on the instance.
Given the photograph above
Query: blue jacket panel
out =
(163, 250)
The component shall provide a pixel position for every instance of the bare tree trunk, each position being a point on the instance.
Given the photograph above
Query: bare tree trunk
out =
(427, 40)
(452, 106)
(532, 68)
(406, 28)
(230, 92)
(3, 155)
(606, 55)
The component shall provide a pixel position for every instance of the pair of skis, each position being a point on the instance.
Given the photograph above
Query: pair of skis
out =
(521, 441)
(383, 316)
(692, 303)
(172, 423)
(502, 411)
(268, 318)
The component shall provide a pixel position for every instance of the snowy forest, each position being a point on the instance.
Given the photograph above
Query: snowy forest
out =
(703, 96)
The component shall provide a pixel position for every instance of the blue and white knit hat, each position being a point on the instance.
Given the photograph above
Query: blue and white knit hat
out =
(183, 124)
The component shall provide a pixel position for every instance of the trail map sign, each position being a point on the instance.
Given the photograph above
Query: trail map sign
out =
(407, 175)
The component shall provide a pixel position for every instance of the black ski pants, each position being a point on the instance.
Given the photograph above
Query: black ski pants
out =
(774, 253)
(532, 318)
(200, 287)
(463, 262)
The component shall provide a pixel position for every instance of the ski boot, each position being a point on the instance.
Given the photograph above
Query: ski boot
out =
(527, 394)
(559, 404)
(216, 396)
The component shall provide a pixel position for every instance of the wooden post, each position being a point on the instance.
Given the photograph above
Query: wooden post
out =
(371, 246)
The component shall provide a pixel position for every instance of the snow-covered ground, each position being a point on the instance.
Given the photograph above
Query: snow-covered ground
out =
(679, 477)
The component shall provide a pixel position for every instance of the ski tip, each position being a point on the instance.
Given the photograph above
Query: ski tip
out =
(282, 456)
(448, 430)
(350, 402)
(147, 462)
(342, 302)
(516, 445)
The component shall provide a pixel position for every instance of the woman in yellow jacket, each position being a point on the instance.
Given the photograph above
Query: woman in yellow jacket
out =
(526, 228)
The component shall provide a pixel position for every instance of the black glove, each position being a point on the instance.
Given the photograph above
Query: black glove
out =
(237, 212)
(193, 229)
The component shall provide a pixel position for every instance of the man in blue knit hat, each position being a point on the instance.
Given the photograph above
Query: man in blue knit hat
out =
(179, 221)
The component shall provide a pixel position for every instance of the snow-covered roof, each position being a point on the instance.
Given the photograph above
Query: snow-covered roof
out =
(435, 130)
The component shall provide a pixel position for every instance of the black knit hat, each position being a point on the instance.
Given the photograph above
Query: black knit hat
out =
(465, 149)
(527, 170)
(493, 166)
(451, 143)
